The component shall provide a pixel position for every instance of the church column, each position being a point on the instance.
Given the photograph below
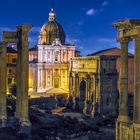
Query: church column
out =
(136, 114)
(39, 78)
(22, 74)
(43, 78)
(3, 72)
(123, 105)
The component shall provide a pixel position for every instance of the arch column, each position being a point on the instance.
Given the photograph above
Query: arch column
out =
(3, 103)
(123, 102)
(76, 85)
(136, 114)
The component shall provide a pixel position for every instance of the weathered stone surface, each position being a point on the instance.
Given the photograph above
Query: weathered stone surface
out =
(125, 128)
(95, 80)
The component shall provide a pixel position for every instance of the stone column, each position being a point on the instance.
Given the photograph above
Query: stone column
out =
(136, 114)
(3, 72)
(123, 101)
(76, 85)
(22, 74)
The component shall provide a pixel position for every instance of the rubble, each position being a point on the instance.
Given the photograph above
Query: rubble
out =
(59, 123)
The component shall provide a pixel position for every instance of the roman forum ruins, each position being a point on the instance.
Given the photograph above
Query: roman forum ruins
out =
(127, 128)
(20, 37)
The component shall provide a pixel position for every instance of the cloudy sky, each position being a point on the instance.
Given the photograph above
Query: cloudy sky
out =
(87, 23)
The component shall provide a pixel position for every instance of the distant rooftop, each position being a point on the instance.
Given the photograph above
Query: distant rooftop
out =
(101, 52)
(35, 48)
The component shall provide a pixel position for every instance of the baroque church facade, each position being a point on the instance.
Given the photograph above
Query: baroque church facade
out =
(54, 56)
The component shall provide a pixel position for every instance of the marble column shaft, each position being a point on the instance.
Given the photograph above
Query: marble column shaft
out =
(136, 114)
(123, 105)
(3, 72)
(22, 74)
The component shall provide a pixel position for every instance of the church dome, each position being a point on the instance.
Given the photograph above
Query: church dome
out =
(51, 31)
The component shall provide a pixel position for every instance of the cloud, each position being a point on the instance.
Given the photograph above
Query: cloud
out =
(105, 3)
(91, 12)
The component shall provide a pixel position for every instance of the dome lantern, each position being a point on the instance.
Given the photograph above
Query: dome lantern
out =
(52, 15)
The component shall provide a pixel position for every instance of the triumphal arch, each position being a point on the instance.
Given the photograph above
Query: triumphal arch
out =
(126, 128)
(20, 37)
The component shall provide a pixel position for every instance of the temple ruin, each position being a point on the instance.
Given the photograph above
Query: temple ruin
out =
(20, 37)
(128, 128)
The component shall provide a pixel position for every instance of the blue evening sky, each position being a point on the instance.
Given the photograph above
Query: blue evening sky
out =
(87, 23)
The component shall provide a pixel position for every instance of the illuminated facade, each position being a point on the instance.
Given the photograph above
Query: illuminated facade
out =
(53, 57)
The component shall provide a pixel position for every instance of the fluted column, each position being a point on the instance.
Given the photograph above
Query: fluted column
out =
(136, 114)
(22, 74)
(3, 112)
(123, 104)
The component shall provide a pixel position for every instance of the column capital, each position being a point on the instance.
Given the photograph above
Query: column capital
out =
(124, 40)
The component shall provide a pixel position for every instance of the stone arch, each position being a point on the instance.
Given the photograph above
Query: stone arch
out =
(83, 86)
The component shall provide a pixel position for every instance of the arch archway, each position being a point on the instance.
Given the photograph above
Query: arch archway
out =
(83, 90)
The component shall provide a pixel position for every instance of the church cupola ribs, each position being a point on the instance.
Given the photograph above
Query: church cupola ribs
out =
(51, 30)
